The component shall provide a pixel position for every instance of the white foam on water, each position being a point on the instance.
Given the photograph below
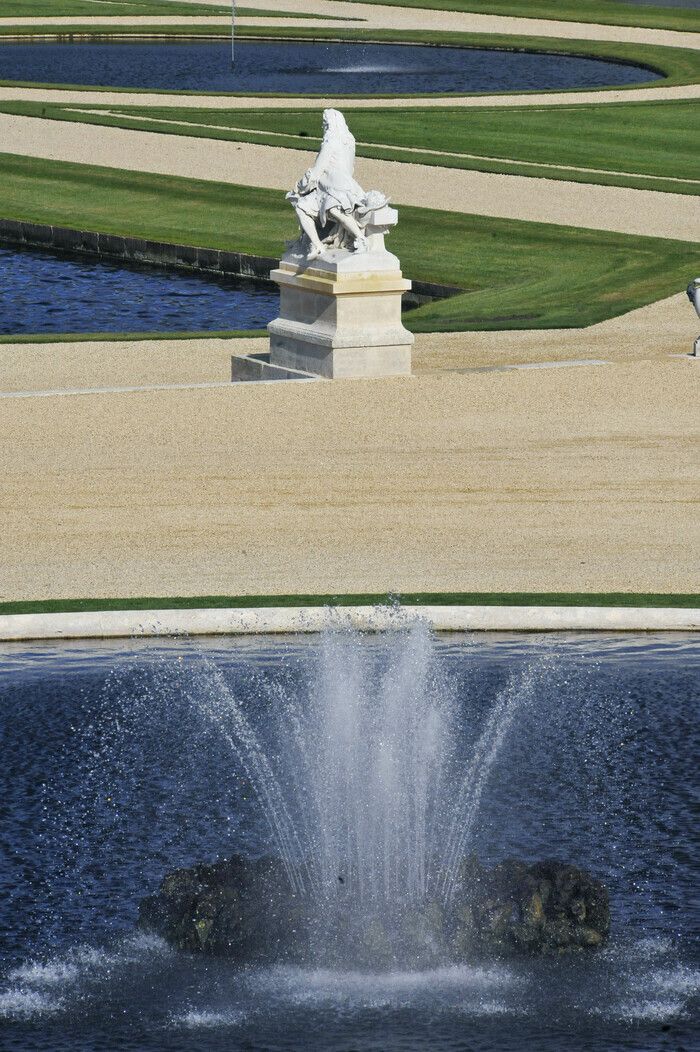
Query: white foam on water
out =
(490, 1008)
(21, 1003)
(379, 990)
(649, 1011)
(50, 973)
(680, 981)
(371, 69)
(657, 995)
(194, 1019)
(26, 993)
(653, 946)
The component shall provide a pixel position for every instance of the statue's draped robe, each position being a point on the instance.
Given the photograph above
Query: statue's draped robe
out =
(331, 183)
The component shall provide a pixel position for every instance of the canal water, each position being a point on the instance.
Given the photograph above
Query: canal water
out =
(51, 292)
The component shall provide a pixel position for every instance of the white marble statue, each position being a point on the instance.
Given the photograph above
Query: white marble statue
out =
(327, 192)
(693, 291)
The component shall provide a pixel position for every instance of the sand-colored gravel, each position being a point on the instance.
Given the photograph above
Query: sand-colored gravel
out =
(665, 328)
(566, 478)
(560, 479)
(87, 98)
(613, 208)
(378, 16)
(95, 363)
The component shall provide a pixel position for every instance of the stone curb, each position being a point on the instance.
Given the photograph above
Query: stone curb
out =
(261, 620)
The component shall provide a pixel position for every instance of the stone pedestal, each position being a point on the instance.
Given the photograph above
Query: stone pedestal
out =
(340, 316)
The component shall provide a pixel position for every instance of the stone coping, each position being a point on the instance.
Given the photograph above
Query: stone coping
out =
(269, 620)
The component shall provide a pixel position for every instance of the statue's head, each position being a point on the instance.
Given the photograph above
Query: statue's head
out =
(334, 122)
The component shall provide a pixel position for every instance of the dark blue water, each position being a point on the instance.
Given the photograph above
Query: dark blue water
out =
(302, 68)
(46, 292)
(109, 778)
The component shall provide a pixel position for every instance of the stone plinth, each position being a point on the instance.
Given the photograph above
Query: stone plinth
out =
(340, 315)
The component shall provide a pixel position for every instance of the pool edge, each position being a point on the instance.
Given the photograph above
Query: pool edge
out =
(274, 620)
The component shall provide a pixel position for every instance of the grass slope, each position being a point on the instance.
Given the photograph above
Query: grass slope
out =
(605, 12)
(655, 140)
(117, 337)
(516, 274)
(203, 602)
(80, 8)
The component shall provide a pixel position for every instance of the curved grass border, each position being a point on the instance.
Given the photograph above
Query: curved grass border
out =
(674, 66)
(181, 121)
(130, 337)
(677, 20)
(630, 270)
(651, 600)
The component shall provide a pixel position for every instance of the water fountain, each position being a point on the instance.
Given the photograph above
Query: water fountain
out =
(375, 758)
(371, 807)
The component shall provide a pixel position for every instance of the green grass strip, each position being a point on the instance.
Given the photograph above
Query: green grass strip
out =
(515, 274)
(604, 599)
(605, 12)
(80, 8)
(655, 140)
(141, 9)
(132, 337)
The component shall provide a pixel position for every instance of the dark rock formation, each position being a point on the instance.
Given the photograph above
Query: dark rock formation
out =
(247, 911)
(546, 907)
(239, 908)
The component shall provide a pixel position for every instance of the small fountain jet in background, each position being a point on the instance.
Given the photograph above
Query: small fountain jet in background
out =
(233, 33)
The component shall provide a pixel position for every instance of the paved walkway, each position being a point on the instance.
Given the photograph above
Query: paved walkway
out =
(612, 208)
(661, 332)
(377, 16)
(240, 102)
(589, 474)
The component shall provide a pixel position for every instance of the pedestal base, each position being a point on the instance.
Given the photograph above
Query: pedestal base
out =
(340, 316)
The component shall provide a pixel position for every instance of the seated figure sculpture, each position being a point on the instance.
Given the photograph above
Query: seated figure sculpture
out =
(693, 291)
(328, 193)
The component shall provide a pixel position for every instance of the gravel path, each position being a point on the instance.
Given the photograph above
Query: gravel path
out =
(454, 190)
(231, 102)
(654, 332)
(391, 485)
(377, 16)
(589, 474)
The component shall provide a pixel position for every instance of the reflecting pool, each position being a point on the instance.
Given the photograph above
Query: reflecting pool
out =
(307, 68)
(124, 760)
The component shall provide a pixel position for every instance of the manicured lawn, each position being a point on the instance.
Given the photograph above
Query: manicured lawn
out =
(137, 8)
(607, 12)
(66, 8)
(606, 599)
(653, 140)
(116, 337)
(517, 275)
(604, 11)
